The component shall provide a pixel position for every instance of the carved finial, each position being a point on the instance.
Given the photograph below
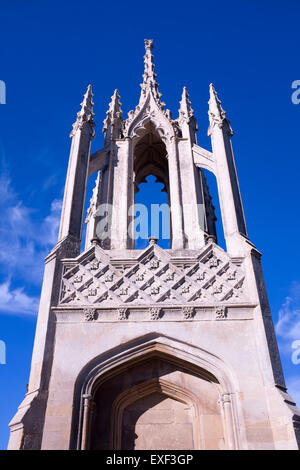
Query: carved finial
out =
(153, 241)
(215, 107)
(148, 61)
(113, 117)
(114, 110)
(216, 113)
(149, 76)
(150, 99)
(185, 110)
(85, 117)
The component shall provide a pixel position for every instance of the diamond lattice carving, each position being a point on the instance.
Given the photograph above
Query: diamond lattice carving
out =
(153, 278)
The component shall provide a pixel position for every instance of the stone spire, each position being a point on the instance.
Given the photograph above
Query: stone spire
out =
(85, 117)
(216, 113)
(149, 93)
(113, 120)
(149, 76)
(186, 119)
(185, 110)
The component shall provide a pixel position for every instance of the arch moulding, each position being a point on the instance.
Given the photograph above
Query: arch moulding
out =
(139, 391)
(192, 358)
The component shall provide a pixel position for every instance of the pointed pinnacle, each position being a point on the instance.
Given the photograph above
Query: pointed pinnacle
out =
(115, 104)
(215, 107)
(216, 113)
(149, 76)
(85, 115)
(148, 61)
(185, 110)
(114, 110)
(87, 103)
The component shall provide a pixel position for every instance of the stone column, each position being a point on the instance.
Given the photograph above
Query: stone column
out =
(175, 199)
(193, 219)
(75, 188)
(192, 205)
(88, 408)
(226, 407)
(121, 194)
(229, 193)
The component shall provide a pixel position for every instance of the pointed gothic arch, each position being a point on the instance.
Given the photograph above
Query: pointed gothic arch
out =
(160, 388)
(192, 360)
(150, 156)
(151, 109)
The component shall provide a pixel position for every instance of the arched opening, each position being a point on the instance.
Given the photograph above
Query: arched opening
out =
(157, 403)
(152, 209)
(118, 364)
(151, 189)
(213, 205)
(152, 406)
(88, 197)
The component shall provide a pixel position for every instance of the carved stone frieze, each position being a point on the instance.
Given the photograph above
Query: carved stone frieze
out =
(154, 277)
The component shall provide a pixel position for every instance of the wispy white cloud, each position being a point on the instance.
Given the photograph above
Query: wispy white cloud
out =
(50, 224)
(293, 385)
(26, 237)
(49, 182)
(288, 331)
(16, 300)
(6, 192)
(288, 324)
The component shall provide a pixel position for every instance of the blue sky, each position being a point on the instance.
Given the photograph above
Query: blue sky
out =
(51, 51)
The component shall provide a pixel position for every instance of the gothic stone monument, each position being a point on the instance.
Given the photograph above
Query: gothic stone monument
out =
(154, 348)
